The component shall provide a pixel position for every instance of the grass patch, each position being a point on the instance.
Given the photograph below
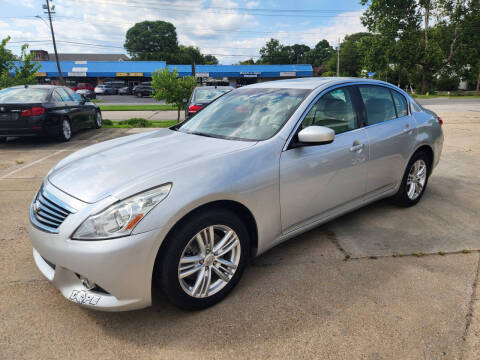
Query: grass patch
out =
(97, 100)
(146, 107)
(137, 123)
(19, 162)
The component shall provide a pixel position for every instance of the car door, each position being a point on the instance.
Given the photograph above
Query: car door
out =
(84, 111)
(320, 180)
(391, 131)
(73, 109)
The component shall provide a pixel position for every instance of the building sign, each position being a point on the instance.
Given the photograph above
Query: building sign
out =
(79, 69)
(119, 74)
(288, 73)
(202, 74)
(250, 74)
(77, 74)
(41, 74)
(82, 62)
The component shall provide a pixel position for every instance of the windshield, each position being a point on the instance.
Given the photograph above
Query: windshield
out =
(207, 95)
(246, 114)
(23, 95)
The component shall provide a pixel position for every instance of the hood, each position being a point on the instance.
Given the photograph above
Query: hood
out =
(104, 169)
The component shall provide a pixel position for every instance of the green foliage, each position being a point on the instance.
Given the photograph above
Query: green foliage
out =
(157, 40)
(352, 54)
(448, 83)
(107, 122)
(137, 122)
(319, 55)
(173, 89)
(24, 71)
(152, 40)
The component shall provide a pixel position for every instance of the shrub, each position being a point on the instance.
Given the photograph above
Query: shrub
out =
(107, 122)
(137, 122)
(446, 83)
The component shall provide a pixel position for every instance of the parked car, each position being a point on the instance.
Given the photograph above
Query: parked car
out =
(143, 89)
(45, 110)
(126, 90)
(83, 86)
(88, 94)
(256, 167)
(202, 96)
(105, 90)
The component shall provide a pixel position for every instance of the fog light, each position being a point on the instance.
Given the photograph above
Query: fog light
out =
(89, 285)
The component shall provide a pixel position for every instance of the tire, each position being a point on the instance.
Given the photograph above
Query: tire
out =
(183, 243)
(65, 131)
(97, 121)
(410, 192)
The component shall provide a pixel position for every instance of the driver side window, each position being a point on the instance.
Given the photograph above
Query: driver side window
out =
(334, 110)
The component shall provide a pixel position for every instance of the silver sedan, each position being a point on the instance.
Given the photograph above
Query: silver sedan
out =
(184, 208)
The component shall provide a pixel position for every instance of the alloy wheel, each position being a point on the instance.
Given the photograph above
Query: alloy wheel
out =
(98, 119)
(67, 131)
(209, 261)
(417, 177)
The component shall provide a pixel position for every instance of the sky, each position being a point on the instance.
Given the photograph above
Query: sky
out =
(232, 30)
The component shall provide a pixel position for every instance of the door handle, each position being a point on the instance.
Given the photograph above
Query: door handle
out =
(357, 147)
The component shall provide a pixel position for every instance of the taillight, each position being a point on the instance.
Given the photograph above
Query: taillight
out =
(192, 109)
(440, 121)
(34, 111)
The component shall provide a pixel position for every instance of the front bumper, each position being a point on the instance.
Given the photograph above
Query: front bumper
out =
(122, 268)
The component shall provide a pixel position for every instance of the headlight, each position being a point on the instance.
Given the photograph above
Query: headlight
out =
(120, 218)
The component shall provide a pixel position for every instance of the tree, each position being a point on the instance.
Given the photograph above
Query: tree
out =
(173, 89)
(192, 55)
(6, 63)
(274, 53)
(298, 52)
(351, 55)
(247, 62)
(25, 69)
(152, 40)
(320, 54)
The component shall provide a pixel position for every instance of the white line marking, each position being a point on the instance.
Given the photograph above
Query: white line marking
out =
(31, 164)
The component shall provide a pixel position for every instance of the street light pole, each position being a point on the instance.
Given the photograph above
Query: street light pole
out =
(49, 12)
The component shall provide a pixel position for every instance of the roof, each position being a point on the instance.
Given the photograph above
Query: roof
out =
(106, 68)
(312, 82)
(89, 57)
(260, 71)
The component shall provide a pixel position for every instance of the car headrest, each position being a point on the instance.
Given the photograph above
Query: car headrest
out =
(335, 108)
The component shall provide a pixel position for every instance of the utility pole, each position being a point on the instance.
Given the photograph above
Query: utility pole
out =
(338, 58)
(49, 11)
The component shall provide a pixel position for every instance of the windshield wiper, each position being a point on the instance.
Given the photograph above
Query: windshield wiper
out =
(201, 134)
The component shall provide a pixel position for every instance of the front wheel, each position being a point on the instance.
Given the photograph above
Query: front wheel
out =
(414, 181)
(204, 259)
(98, 120)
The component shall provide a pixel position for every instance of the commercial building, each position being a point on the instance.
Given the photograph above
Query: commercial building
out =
(133, 72)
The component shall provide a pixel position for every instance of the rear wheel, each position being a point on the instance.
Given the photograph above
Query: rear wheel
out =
(414, 181)
(65, 130)
(204, 259)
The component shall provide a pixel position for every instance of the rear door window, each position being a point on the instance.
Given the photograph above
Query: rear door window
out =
(75, 96)
(57, 97)
(378, 103)
(64, 95)
(400, 104)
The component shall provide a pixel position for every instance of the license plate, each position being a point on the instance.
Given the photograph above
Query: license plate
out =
(82, 297)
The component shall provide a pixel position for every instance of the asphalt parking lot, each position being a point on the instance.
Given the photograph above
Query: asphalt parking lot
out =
(379, 283)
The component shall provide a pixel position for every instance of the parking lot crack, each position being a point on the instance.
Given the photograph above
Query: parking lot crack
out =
(469, 316)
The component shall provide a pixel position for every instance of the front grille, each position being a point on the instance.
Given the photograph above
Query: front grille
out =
(47, 212)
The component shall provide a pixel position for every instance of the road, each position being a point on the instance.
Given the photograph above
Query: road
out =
(379, 283)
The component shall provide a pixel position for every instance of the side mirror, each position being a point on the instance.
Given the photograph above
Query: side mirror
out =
(315, 135)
